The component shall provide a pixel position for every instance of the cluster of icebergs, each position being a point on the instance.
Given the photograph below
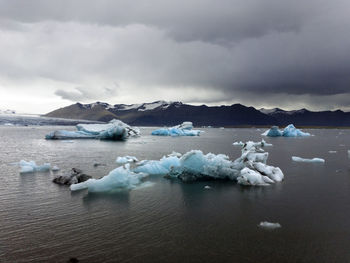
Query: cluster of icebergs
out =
(114, 130)
(184, 129)
(32, 167)
(249, 169)
(289, 131)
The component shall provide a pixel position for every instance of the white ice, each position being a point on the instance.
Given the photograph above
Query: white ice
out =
(195, 165)
(119, 178)
(332, 151)
(184, 129)
(349, 154)
(32, 167)
(55, 168)
(304, 160)
(126, 159)
(289, 131)
(207, 187)
(269, 225)
(114, 130)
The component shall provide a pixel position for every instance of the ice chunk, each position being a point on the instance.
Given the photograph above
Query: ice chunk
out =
(32, 167)
(269, 225)
(195, 165)
(313, 160)
(55, 168)
(332, 151)
(207, 187)
(119, 178)
(289, 131)
(114, 130)
(184, 129)
(126, 159)
(349, 154)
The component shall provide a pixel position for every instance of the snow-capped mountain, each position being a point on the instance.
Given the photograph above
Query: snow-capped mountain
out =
(161, 113)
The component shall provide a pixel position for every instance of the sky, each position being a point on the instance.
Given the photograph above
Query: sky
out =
(271, 53)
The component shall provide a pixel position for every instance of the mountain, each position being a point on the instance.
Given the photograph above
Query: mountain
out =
(161, 113)
(304, 117)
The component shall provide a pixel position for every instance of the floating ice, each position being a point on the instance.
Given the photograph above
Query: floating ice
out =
(240, 143)
(55, 168)
(289, 131)
(332, 151)
(114, 130)
(195, 165)
(269, 225)
(126, 159)
(349, 154)
(304, 160)
(184, 129)
(119, 178)
(207, 187)
(32, 167)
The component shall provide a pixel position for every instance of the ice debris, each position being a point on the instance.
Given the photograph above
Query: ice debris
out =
(304, 160)
(126, 159)
(119, 178)
(75, 176)
(184, 129)
(269, 225)
(207, 187)
(55, 168)
(349, 154)
(332, 151)
(32, 167)
(289, 131)
(249, 169)
(114, 130)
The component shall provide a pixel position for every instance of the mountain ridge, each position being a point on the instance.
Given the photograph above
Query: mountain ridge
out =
(159, 113)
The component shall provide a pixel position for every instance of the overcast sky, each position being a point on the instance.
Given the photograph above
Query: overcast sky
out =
(270, 53)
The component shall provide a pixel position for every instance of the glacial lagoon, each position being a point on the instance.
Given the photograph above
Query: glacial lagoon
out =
(169, 220)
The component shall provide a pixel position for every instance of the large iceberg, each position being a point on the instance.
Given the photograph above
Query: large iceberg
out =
(114, 130)
(32, 167)
(249, 169)
(119, 178)
(289, 131)
(184, 129)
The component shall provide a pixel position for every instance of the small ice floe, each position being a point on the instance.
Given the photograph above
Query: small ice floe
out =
(342, 145)
(289, 131)
(304, 160)
(263, 143)
(8, 124)
(126, 159)
(349, 154)
(269, 225)
(67, 141)
(332, 151)
(114, 130)
(55, 168)
(184, 129)
(207, 187)
(32, 167)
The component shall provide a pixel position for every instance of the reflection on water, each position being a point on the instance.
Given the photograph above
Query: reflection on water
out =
(170, 220)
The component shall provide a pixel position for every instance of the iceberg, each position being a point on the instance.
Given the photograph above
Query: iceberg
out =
(119, 178)
(304, 160)
(289, 131)
(126, 159)
(269, 225)
(114, 130)
(32, 167)
(184, 129)
(249, 169)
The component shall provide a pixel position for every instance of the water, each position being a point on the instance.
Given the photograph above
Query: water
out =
(174, 221)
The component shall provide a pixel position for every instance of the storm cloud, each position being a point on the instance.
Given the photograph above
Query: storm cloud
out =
(288, 54)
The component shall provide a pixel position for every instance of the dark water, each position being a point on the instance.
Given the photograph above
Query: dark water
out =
(172, 221)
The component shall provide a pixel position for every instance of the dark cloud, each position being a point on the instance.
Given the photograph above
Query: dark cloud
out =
(259, 52)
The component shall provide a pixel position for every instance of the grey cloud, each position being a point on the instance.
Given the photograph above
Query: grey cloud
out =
(230, 51)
